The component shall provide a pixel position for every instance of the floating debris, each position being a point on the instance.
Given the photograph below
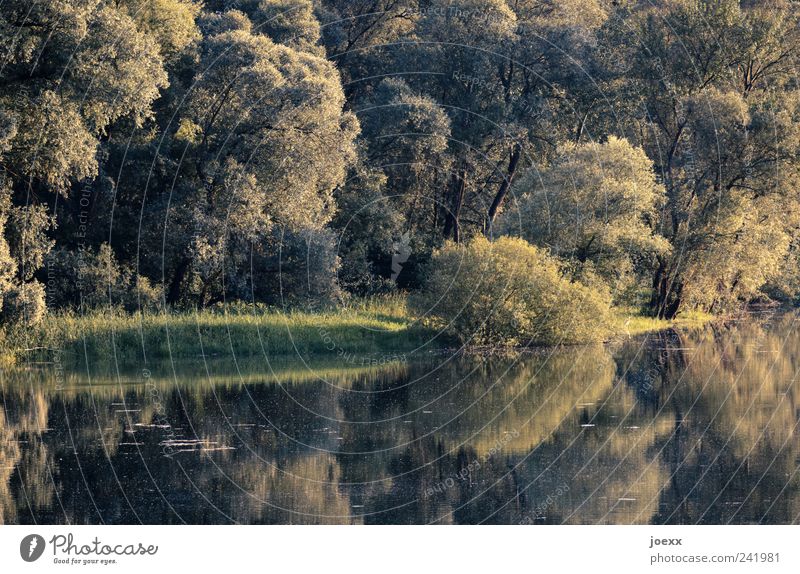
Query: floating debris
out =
(183, 442)
(194, 445)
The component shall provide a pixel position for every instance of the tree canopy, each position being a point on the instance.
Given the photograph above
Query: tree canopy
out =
(297, 152)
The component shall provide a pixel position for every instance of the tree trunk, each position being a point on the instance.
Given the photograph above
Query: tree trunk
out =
(666, 298)
(458, 186)
(174, 293)
(655, 298)
(513, 162)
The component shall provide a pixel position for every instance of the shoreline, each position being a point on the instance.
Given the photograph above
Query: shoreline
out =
(362, 334)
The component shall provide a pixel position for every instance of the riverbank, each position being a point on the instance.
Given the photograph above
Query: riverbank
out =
(376, 327)
(369, 330)
(630, 323)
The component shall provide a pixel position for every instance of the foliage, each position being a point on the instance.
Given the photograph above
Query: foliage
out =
(293, 268)
(23, 247)
(68, 71)
(24, 304)
(367, 226)
(595, 203)
(509, 292)
(297, 152)
(721, 127)
(83, 280)
(290, 22)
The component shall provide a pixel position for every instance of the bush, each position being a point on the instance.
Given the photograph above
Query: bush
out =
(290, 268)
(508, 292)
(95, 279)
(594, 205)
(24, 304)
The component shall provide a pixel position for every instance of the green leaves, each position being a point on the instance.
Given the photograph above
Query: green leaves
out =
(509, 293)
(595, 203)
(279, 113)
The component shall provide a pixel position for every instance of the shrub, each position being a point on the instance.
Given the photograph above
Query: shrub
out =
(94, 279)
(508, 292)
(24, 304)
(594, 205)
(290, 268)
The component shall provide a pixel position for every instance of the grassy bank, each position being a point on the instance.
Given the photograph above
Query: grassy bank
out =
(369, 328)
(629, 322)
(375, 329)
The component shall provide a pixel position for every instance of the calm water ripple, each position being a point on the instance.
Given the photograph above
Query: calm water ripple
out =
(691, 427)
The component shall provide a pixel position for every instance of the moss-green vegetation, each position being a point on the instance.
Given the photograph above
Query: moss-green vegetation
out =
(213, 154)
(376, 329)
(629, 323)
(511, 293)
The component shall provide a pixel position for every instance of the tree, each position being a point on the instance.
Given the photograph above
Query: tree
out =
(289, 22)
(212, 148)
(260, 147)
(68, 72)
(359, 34)
(8, 267)
(367, 225)
(596, 203)
(482, 75)
(718, 109)
(170, 22)
(406, 136)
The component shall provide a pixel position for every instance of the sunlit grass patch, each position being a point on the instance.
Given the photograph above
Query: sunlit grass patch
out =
(628, 322)
(363, 331)
(377, 326)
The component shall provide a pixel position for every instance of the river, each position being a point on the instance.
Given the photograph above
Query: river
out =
(682, 427)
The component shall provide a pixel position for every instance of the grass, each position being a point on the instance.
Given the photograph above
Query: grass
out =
(369, 330)
(629, 323)
(354, 333)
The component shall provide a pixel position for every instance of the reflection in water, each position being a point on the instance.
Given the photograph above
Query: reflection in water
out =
(675, 428)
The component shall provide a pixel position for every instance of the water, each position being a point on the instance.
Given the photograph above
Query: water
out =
(693, 427)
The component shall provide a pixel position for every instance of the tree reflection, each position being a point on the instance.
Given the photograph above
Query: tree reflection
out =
(678, 427)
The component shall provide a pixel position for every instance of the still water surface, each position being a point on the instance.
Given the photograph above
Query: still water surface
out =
(677, 427)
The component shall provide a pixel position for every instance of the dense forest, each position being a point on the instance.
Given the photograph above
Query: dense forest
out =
(512, 156)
